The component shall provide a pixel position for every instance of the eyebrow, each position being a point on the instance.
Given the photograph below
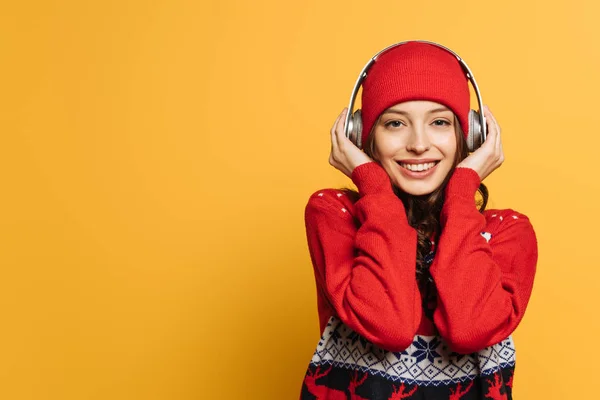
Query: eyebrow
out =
(407, 113)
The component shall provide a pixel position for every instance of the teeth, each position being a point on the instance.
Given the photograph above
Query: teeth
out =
(418, 167)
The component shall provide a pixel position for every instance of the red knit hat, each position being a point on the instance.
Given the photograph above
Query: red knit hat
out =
(414, 71)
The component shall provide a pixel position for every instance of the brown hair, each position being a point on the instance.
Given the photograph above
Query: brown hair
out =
(423, 212)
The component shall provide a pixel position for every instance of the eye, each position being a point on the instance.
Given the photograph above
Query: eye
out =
(443, 122)
(393, 124)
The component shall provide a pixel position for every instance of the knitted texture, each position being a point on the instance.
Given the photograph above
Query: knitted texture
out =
(377, 330)
(415, 71)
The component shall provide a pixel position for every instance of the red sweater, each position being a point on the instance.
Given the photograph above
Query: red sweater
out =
(364, 258)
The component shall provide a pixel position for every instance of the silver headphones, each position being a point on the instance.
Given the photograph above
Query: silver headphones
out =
(477, 126)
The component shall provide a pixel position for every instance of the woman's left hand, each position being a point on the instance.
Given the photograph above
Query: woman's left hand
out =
(489, 156)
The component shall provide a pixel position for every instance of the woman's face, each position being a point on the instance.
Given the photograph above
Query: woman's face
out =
(415, 142)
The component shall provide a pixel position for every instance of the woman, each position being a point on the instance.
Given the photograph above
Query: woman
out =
(419, 286)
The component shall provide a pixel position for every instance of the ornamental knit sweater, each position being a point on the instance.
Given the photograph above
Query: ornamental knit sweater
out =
(384, 336)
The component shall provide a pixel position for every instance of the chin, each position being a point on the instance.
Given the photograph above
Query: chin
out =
(417, 190)
(419, 187)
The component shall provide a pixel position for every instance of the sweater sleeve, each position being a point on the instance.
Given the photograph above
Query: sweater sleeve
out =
(483, 287)
(367, 272)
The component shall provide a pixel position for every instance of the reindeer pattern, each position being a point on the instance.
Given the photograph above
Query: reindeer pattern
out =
(335, 383)
(347, 366)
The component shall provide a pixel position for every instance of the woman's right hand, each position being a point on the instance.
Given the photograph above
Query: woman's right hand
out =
(345, 155)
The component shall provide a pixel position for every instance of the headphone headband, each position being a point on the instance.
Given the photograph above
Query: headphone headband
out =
(363, 75)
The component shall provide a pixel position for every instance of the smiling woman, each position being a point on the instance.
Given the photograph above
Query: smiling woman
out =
(419, 286)
(415, 142)
(398, 149)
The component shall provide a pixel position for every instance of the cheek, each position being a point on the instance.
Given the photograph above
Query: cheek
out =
(447, 144)
(386, 145)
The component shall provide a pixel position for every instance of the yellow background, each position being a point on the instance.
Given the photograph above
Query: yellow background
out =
(156, 158)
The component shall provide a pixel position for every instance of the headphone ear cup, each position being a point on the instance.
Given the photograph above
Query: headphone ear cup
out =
(355, 128)
(474, 137)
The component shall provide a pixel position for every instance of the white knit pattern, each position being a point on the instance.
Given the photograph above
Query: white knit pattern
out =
(427, 362)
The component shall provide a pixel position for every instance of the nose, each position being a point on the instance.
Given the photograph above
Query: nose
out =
(418, 141)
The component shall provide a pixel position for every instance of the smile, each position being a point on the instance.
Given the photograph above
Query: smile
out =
(418, 167)
(414, 170)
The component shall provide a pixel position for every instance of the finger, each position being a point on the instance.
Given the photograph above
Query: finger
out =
(336, 122)
(334, 142)
(498, 131)
(498, 152)
(340, 127)
(492, 131)
(493, 119)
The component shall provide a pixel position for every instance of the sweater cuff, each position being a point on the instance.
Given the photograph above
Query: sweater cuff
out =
(463, 184)
(371, 178)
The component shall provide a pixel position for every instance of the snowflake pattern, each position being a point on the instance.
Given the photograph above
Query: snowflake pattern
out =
(425, 349)
(354, 337)
(428, 361)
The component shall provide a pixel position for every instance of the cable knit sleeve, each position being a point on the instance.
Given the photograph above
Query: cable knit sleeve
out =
(483, 287)
(367, 270)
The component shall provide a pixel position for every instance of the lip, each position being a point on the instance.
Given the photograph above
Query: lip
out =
(420, 174)
(418, 161)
